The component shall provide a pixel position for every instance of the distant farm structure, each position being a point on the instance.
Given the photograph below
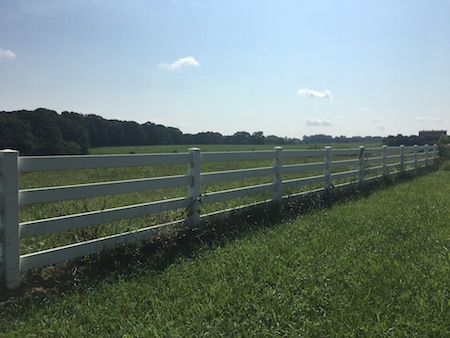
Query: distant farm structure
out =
(432, 135)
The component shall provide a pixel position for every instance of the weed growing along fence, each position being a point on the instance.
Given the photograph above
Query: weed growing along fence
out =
(305, 168)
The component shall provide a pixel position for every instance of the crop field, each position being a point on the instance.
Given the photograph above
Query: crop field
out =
(378, 265)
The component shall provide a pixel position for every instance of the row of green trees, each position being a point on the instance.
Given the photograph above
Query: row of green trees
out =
(408, 140)
(44, 132)
(322, 138)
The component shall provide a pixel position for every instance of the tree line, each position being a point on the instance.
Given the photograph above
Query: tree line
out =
(45, 132)
(411, 140)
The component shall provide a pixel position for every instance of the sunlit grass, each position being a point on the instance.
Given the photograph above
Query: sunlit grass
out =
(71, 177)
(217, 147)
(378, 266)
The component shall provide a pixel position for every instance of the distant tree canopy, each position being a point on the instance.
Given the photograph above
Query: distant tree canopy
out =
(45, 132)
(404, 140)
(42, 132)
(328, 139)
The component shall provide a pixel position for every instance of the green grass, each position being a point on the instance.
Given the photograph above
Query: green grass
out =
(217, 147)
(55, 178)
(377, 266)
(70, 177)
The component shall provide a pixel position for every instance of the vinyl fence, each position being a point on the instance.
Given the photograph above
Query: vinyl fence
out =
(305, 169)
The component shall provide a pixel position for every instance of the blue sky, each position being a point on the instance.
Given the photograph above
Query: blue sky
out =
(287, 68)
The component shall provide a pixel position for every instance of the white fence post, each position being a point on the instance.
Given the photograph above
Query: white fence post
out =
(277, 175)
(435, 150)
(194, 189)
(416, 159)
(426, 155)
(9, 220)
(402, 158)
(327, 169)
(384, 164)
(361, 165)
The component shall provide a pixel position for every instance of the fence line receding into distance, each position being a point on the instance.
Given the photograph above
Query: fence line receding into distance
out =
(329, 167)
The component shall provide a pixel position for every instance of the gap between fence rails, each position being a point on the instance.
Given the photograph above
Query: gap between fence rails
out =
(12, 263)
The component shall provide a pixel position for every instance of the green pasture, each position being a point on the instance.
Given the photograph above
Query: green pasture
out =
(57, 178)
(375, 266)
(218, 147)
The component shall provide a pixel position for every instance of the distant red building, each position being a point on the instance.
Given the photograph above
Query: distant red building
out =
(432, 135)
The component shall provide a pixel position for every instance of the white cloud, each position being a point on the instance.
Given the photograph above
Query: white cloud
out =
(182, 62)
(421, 118)
(339, 117)
(318, 123)
(375, 120)
(365, 108)
(7, 54)
(326, 94)
(428, 119)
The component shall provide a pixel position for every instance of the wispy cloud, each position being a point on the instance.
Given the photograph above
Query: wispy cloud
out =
(318, 123)
(429, 120)
(338, 117)
(365, 108)
(421, 118)
(7, 54)
(379, 123)
(180, 63)
(247, 112)
(326, 94)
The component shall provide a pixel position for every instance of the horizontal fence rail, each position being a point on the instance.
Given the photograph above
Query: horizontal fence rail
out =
(52, 194)
(314, 170)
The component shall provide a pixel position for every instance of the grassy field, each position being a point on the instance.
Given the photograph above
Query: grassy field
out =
(376, 266)
(217, 147)
(55, 178)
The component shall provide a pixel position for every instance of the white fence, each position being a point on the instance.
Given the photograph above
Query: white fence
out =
(355, 166)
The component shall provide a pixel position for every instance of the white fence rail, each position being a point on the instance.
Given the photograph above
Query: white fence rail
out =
(354, 166)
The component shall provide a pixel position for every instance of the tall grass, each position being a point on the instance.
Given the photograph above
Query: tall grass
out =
(377, 266)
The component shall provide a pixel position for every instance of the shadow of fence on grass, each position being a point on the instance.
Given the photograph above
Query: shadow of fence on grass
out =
(180, 241)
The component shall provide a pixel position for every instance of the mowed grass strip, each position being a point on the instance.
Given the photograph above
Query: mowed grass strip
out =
(378, 266)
